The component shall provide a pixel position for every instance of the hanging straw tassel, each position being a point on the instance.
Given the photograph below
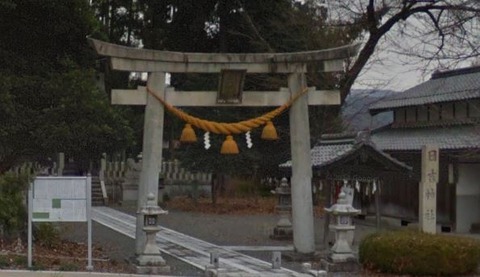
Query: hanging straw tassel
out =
(229, 146)
(188, 134)
(269, 132)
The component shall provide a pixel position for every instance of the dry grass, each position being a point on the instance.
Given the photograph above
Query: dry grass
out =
(229, 205)
(66, 256)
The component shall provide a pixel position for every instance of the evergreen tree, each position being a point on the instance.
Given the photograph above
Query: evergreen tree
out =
(50, 100)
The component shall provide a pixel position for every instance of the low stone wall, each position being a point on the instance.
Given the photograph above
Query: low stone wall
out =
(122, 179)
(191, 188)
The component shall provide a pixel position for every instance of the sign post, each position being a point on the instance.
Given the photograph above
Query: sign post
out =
(60, 199)
(428, 189)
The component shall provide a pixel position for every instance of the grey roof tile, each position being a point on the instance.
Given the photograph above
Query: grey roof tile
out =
(453, 137)
(321, 154)
(452, 85)
(340, 146)
(438, 123)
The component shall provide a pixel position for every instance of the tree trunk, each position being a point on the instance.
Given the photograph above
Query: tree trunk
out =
(214, 184)
(222, 33)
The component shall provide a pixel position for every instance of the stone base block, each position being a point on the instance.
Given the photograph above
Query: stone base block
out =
(345, 266)
(129, 194)
(215, 272)
(150, 260)
(293, 256)
(141, 269)
(282, 233)
(150, 268)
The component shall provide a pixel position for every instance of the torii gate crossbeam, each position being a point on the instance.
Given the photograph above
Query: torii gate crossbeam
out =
(157, 63)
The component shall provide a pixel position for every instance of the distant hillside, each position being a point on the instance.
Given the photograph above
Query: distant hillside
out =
(355, 110)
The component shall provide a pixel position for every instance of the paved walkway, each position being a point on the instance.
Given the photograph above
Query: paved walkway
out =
(189, 249)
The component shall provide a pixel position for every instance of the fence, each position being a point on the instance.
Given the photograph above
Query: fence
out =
(172, 171)
(111, 171)
(35, 168)
(29, 168)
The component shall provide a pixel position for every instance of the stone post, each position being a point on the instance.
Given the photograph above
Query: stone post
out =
(61, 163)
(103, 167)
(301, 182)
(151, 151)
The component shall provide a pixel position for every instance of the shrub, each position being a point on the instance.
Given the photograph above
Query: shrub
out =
(13, 213)
(244, 188)
(68, 266)
(416, 253)
(37, 266)
(20, 260)
(3, 262)
(47, 235)
(166, 197)
(265, 191)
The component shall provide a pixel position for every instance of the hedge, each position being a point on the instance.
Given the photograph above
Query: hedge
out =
(416, 253)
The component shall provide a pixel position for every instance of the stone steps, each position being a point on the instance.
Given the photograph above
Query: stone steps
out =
(97, 195)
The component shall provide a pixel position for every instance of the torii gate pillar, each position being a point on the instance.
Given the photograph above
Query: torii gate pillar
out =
(151, 152)
(301, 182)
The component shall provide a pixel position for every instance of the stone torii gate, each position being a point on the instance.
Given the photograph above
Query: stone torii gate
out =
(158, 63)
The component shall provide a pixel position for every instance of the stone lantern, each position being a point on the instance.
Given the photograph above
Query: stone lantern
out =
(151, 260)
(283, 230)
(342, 226)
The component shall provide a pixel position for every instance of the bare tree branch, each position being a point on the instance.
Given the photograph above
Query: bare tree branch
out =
(254, 29)
(446, 17)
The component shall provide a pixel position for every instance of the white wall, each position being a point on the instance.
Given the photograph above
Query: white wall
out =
(434, 112)
(468, 196)
(460, 109)
(474, 108)
(411, 114)
(422, 113)
(447, 111)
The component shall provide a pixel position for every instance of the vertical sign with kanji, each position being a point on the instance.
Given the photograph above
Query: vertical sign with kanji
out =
(428, 189)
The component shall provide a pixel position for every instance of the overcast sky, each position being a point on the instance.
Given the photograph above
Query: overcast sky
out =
(397, 72)
(389, 70)
(389, 73)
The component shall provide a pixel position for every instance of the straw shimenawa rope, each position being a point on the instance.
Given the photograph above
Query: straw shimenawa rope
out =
(227, 128)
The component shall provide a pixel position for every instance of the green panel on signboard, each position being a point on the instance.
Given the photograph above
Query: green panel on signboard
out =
(41, 215)
(56, 203)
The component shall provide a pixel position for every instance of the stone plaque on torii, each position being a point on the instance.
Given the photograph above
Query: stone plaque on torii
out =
(158, 63)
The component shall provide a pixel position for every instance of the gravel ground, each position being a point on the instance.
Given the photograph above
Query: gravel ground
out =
(120, 247)
(225, 230)
(233, 230)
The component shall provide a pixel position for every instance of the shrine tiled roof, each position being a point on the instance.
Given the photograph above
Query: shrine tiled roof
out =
(449, 137)
(333, 148)
(453, 85)
(322, 154)
(438, 123)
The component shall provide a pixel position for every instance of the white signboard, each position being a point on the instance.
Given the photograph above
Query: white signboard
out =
(60, 199)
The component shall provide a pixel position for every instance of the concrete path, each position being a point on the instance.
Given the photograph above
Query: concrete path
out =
(189, 249)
